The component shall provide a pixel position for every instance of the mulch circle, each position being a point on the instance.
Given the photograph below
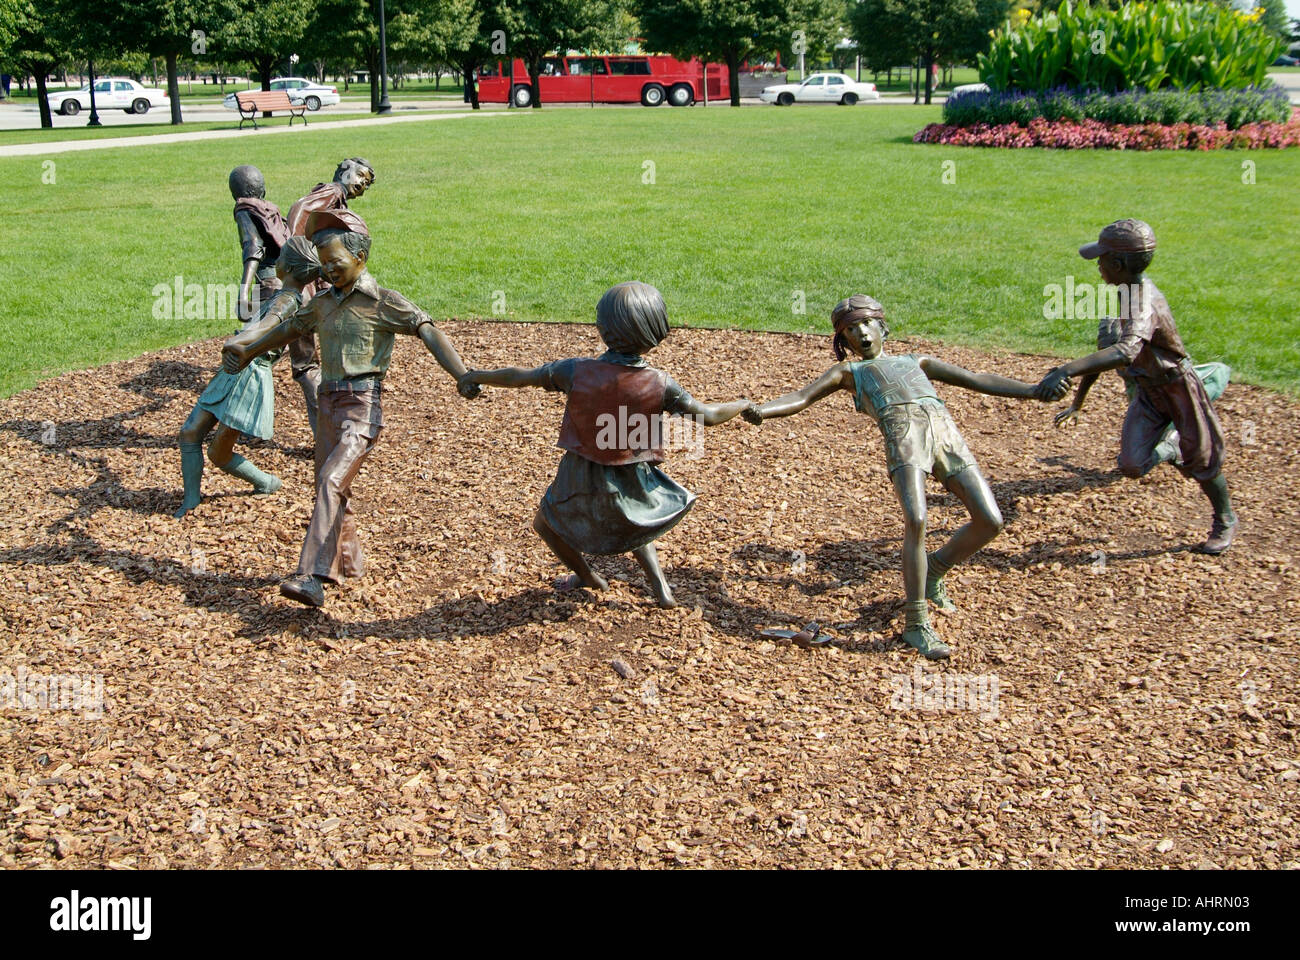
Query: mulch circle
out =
(451, 708)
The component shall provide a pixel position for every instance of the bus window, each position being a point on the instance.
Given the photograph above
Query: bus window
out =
(630, 68)
(586, 66)
(552, 67)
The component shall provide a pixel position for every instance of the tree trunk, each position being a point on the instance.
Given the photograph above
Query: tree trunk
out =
(372, 70)
(535, 81)
(467, 68)
(264, 64)
(733, 78)
(173, 87)
(47, 121)
(929, 75)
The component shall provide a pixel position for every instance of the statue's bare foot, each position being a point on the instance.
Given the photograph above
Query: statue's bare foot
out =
(663, 595)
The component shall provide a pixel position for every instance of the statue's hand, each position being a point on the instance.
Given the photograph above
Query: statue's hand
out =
(466, 386)
(1069, 415)
(232, 359)
(1052, 387)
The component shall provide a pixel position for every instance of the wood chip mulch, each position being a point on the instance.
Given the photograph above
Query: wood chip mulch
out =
(450, 709)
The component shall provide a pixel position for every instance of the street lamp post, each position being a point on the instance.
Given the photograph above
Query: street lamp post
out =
(384, 105)
(94, 114)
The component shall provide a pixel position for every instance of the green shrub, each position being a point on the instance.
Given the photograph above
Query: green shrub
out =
(1234, 108)
(1188, 46)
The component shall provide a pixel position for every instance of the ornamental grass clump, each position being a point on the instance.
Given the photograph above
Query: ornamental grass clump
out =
(1187, 46)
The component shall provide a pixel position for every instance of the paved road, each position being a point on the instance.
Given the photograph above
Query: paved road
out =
(26, 116)
(1289, 82)
(68, 146)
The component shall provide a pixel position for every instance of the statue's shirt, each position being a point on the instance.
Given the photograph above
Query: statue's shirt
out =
(615, 406)
(887, 381)
(1145, 334)
(356, 330)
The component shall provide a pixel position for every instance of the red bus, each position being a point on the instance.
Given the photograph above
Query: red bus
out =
(652, 80)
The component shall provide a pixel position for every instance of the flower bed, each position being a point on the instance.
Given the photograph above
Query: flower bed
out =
(1093, 134)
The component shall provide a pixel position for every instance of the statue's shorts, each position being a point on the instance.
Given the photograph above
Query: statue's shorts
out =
(923, 435)
(1182, 402)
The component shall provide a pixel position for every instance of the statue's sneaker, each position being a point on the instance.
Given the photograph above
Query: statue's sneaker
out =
(1221, 536)
(304, 588)
(937, 594)
(927, 642)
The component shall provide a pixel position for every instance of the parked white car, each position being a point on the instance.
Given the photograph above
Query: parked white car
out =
(111, 93)
(313, 95)
(821, 88)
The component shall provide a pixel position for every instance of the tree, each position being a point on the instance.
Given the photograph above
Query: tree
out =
(80, 28)
(266, 32)
(534, 28)
(727, 30)
(35, 47)
(931, 30)
(1274, 18)
(816, 26)
(167, 29)
(442, 32)
(455, 32)
(347, 31)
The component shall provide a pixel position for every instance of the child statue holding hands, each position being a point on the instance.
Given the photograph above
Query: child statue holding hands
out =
(920, 439)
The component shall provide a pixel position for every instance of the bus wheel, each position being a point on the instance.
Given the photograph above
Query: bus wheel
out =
(522, 96)
(785, 98)
(681, 95)
(652, 95)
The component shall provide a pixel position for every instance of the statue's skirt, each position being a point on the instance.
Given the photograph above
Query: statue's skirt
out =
(243, 401)
(603, 509)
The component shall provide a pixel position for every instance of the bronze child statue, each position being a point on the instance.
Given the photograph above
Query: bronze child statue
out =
(1213, 376)
(244, 402)
(920, 439)
(356, 321)
(608, 495)
(1168, 391)
(262, 232)
(352, 178)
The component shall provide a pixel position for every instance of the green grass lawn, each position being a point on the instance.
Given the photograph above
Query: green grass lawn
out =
(164, 125)
(751, 213)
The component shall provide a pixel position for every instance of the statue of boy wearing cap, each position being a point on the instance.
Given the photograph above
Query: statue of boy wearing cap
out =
(356, 321)
(1168, 391)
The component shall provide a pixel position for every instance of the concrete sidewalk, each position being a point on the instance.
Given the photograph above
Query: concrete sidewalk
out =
(68, 146)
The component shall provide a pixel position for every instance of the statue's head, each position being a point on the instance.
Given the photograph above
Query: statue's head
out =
(860, 325)
(1123, 251)
(356, 176)
(247, 181)
(631, 318)
(298, 261)
(343, 255)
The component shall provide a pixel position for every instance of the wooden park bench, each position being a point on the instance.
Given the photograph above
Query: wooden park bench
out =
(253, 102)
